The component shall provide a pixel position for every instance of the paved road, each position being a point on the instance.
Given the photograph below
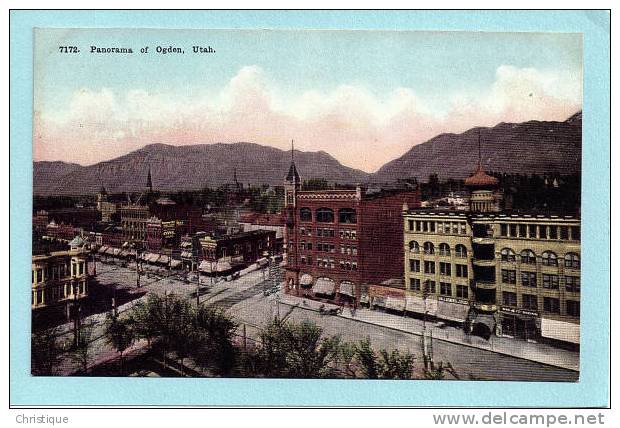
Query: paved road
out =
(244, 299)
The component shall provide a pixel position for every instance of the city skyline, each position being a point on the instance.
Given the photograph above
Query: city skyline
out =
(364, 97)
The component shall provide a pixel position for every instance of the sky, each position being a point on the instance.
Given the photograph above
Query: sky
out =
(365, 97)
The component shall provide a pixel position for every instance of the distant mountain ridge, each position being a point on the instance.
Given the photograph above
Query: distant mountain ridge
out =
(190, 167)
(526, 148)
(529, 147)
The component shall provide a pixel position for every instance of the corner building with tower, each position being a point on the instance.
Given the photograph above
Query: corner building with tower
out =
(494, 272)
(340, 242)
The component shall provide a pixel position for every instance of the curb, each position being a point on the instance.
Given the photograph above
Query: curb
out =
(454, 342)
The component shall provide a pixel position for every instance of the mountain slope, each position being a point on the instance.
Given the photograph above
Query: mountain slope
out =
(192, 167)
(526, 148)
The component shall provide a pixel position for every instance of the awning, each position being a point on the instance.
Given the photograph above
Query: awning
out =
(324, 286)
(153, 258)
(116, 251)
(379, 301)
(395, 303)
(123, 253)
(175, 264)
(306, 280)
(262, 261)
(145, 256)
(103, 249)
(347, 288)
(109, 251)
(208, 267)
(186, 244)
(186, 254)
(452, 311)
(559, 330)
(163, 259)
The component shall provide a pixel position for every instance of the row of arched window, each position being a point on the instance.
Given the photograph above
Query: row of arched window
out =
(444, 249)
(326, 215)
(548, 258)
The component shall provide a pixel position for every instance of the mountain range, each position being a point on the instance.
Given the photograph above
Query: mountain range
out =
(529, 147)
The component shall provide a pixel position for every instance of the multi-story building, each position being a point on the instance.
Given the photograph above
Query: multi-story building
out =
(134, 218)
(340, 241)
(59, 275)
(235, 250)
(257, 221)
(510, 274)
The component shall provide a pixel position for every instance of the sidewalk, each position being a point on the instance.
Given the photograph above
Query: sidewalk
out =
(537, 352)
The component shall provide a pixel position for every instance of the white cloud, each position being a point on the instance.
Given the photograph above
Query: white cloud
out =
(350, 122)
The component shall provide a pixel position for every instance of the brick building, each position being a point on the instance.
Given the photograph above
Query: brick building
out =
(338, 242)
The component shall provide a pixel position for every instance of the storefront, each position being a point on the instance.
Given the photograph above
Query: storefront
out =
(451, 309)
(418, 305)
(560, 330)
(388, 298)
(324, 286)
(519, 323)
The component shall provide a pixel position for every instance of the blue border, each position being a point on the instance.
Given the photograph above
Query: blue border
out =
(591, 391)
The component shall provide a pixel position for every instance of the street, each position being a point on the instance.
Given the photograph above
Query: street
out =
(244, 298)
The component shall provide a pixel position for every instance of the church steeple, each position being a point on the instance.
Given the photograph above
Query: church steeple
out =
(293, 175)
(292, 183)
(149, 181)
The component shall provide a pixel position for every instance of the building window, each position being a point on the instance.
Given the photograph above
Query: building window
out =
(509, 276)
(572, 308)
(549, 258)
(411, 225)
(564, 233)
(528, 279)
(305, 214)
(522, 231)
(414, 284)
(530, 301)
(431, 225)
(347, 215)
(461, 271)
(445, 289)
(445, 269)
(444, 249)
(513, 229)
(508, 255)
(509, 299)
(460, 250)
(462, 291)
(463, 228)
(429, 267)
(553, 232)
(429, 287)
(414, 265)
(576, 233)
(571, 260)
(551, 305)
(528, 257)
(573, 284)
(503, 229)
(551, 281)
(414, 247)
(429, 248)
(325, 215)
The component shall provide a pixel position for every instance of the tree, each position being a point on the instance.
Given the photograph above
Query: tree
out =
(82, 353)
(367, 359)
(142, 316)
(120, 335)
(439, 372)
(394, 365)
(295, 350)
(216, 335)
(45, 351)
